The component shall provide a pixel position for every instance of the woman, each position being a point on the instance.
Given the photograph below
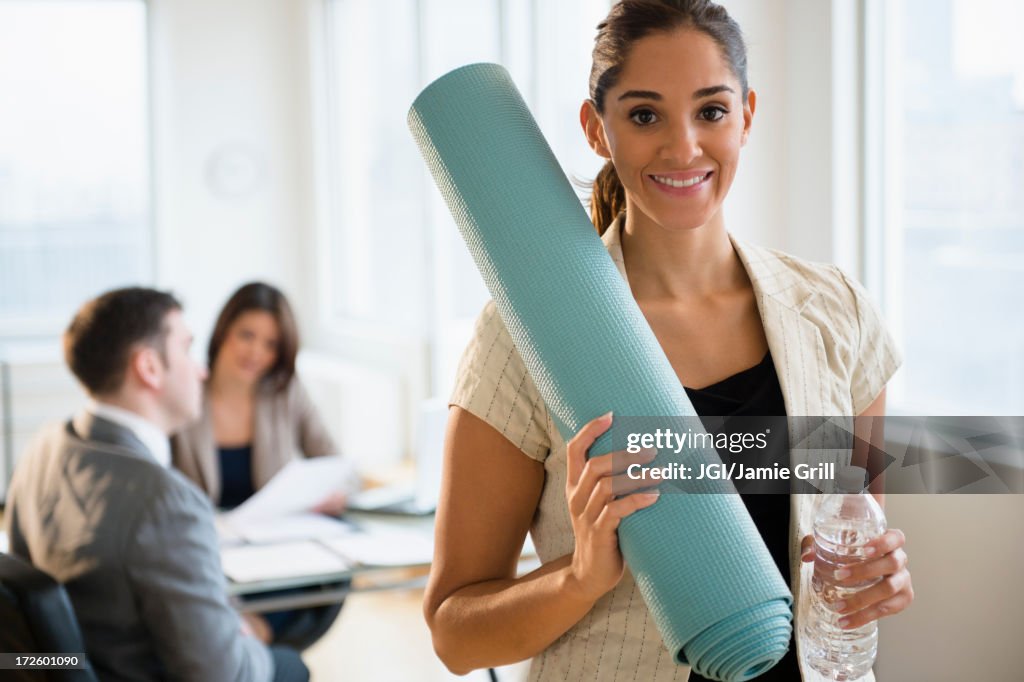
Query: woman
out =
(256, 417)
(256, 414)
(752, 331)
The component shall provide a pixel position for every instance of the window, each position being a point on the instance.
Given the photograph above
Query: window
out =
(394, 268)
(74, 159)
(946, 208)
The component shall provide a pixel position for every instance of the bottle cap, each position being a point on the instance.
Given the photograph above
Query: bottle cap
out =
(851, 479)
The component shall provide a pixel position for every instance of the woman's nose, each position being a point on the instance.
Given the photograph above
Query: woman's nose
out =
(681, 144)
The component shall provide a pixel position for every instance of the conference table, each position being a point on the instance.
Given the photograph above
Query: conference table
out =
(378, 552)
(381, 552)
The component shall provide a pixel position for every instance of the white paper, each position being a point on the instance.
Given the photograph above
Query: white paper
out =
(298, 487)
(254, 563)
(292, 527)
(385, 547)
(385, 496)
(226, 534)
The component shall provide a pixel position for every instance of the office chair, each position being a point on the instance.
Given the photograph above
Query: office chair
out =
(37, 618)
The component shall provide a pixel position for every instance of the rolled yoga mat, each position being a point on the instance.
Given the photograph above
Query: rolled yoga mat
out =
(708, 580)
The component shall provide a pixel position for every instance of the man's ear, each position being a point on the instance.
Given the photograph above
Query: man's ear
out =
(748, 115)
(147, 367)
(593, 128)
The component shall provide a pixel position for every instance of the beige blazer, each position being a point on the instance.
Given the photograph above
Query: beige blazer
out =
(286, 425)
(832, 356)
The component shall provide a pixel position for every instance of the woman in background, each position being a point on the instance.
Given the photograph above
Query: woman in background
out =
(256, 418)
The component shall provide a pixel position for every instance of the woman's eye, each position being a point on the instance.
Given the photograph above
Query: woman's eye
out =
(643, 117)
(713, 113)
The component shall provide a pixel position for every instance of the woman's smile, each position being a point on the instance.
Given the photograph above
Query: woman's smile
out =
(683, 184)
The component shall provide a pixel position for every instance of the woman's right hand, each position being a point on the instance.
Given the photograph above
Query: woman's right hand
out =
(592, 488)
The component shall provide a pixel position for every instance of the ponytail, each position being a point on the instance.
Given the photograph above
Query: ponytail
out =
(607, 198)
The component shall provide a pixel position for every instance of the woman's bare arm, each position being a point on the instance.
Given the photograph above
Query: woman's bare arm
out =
(479, 612)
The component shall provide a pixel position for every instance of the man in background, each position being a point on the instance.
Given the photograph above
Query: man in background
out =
(95, 504)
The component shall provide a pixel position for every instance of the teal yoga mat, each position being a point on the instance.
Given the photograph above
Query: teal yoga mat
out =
(704, 571)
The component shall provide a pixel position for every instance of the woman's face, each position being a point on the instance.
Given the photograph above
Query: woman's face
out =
(250, 346)
(673, 126)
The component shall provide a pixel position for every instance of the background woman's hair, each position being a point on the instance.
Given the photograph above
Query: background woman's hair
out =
(269, 299)
(627, 22)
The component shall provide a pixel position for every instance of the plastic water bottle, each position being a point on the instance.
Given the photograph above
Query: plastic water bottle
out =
(844, 522)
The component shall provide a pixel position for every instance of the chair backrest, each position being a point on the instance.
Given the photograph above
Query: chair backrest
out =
(38, 618)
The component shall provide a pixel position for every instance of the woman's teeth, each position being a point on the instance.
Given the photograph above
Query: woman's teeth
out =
(679, 183)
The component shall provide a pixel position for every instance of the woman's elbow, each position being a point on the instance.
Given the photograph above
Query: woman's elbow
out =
(446, 644)
(450, 656)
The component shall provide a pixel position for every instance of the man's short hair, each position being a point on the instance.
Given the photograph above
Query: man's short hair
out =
(105, 331)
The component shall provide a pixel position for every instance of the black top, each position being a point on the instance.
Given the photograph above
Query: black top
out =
(755, 392)
(235, 476)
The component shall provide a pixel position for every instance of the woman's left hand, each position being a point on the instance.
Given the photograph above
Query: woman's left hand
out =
(890, 595)
(333, 505)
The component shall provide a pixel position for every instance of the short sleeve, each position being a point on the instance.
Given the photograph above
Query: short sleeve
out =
(494, 385)
(876, 357)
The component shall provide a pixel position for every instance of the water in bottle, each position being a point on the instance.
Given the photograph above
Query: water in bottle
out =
(844, 522)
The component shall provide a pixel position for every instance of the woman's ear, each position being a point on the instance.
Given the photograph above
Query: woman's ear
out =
(748, 115)
(593, 128)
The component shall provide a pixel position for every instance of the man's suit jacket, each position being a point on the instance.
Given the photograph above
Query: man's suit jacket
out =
(135, 546)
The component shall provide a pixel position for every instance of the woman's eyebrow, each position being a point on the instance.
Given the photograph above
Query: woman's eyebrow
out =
(640, 94)
(651, 94)
(713, 90)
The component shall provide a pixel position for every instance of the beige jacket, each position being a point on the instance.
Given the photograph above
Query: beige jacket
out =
(286, 424)
(832, 356)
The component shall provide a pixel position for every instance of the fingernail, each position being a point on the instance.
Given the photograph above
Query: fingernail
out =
(607, 416)
(842, 573)
(839, 605)
(843, 622)
(870, 551)
(650, 452)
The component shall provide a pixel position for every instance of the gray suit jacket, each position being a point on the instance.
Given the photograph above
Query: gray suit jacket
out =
(135, 547)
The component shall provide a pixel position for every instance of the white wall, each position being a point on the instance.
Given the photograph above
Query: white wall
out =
(230, 98)
(757, 204)
(796, 189)
(967, 620)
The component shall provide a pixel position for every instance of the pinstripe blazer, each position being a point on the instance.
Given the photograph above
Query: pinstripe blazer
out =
(832, 355)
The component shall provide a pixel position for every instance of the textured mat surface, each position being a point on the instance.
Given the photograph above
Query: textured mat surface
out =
(704, 571)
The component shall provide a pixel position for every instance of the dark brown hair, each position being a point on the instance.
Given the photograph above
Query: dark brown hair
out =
(627, 22)
(267, 298)
(106, 330)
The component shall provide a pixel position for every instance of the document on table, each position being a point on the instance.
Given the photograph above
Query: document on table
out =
(307, 526)
(300, 486)
(255, 563)
(384, 547)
